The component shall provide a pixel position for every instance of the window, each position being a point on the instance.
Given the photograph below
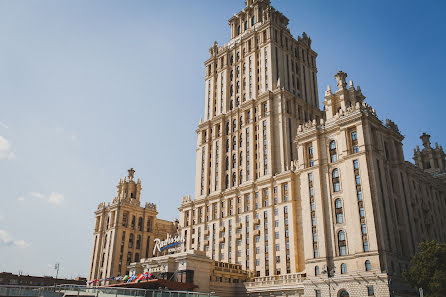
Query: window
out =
(335, 181)
(253, 20)
(365, 245)
(338, 211)
(317, 293)
(317, 270)
(333, 155)
(368, 265)
(343, 268)
(344, 293)
(354, 142)
(370, 291)
(310, 156)
(363, 229)
(342, 243)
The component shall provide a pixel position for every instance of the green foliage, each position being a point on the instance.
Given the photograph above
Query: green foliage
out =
(427, 269)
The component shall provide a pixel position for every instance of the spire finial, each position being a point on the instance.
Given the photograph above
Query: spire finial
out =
(131, 174)
(425, 138)
(340, 78)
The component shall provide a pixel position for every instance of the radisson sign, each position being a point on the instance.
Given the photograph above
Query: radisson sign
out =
(171, 243)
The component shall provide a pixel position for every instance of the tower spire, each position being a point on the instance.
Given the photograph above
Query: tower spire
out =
(131, 174)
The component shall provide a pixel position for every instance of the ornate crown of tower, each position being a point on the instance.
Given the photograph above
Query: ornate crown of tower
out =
(343, 97)
(128, 190)
(431, 159)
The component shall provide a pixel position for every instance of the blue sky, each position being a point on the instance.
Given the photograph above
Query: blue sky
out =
(89, 89)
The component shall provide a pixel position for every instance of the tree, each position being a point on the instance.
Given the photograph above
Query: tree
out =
(427, 269)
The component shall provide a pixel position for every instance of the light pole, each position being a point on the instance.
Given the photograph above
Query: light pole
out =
(330, 271)
(56, 266)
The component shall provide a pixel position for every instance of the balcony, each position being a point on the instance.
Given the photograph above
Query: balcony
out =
(276, 282)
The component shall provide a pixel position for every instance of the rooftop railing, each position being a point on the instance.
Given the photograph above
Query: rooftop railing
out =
(83, 291)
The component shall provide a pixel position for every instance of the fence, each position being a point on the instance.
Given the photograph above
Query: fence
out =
(83, 291)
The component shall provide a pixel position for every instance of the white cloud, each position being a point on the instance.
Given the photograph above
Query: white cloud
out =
(21, 243)
(3, 125)
(54, 198)
(36, 195)
(5, 148)
(6, 239)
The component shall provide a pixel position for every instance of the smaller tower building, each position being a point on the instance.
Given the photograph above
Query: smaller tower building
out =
(125, 231)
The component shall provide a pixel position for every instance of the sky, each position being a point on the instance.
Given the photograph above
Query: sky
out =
(89, 89)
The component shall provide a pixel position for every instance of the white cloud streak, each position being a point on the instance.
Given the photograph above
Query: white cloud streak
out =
(7, 240)
(54, 198)
(5, 148)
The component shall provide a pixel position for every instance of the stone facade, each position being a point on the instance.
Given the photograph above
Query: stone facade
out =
(125, 231)
(195, 267)
(313, 202)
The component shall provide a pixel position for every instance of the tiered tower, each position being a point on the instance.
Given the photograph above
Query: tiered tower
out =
(259, 87)
(124, 231)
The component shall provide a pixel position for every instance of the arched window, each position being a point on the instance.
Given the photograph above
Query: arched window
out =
(342, 243)
(241, 177)
(368, 265)
(234, 179)
(343, 268)
(227, 128)
(333, 155)
(338, 211)
(227, 163)
(234, 159)
(241, 158)
(234, 125)
(343, 293)
(246, 25)
(227, 145)
(227, 181)
(239, 30)
(253, 21)
(316, 270)
(335, 181)
(234, 143)
(231, 90)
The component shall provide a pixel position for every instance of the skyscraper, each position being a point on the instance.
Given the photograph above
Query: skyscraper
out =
(259, 88)
(314, 202)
